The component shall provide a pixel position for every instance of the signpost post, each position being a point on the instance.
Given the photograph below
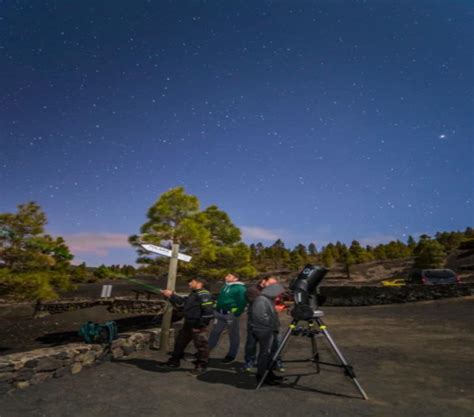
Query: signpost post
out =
(171, 285)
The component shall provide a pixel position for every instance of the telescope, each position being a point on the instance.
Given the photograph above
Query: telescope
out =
(305, 292)
(306, 303)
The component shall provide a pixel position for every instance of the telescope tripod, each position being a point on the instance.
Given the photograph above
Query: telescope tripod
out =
(315, 327)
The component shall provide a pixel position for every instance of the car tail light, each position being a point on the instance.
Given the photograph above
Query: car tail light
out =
(458, 280)
(424, 280)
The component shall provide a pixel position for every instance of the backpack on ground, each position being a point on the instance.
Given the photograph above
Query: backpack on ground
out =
(99, 333)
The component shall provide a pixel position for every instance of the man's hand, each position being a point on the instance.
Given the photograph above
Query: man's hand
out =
(167, 293)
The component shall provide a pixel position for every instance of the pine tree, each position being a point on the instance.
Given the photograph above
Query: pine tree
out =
(35, 265)
(209, 236)
(312, 250)
(429, 254)
(327, 257)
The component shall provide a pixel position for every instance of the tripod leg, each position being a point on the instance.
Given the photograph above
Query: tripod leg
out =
(277, 354)
(348, 368)
(314, 348)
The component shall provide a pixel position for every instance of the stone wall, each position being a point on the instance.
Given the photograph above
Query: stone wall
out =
(137, 306)
(115, 305)
(20, 370)
(371, 295)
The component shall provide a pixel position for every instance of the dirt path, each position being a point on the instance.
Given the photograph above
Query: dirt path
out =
(413, 360)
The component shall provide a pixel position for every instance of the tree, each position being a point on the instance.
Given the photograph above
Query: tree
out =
(357, 252)
(348, 262)
(312, 250)
(327, 257)
(302, 253)
(230, 254)
(411, 243)
(450, 240)
(34, 264)
(429, 254)
(79, 273)
(209, 236)
(397, 250)
(172, 218)
(278, 255)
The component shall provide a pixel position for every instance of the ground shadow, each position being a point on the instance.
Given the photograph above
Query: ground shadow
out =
(236, 379)
(295, 385)
(4, 349)
(149, 365)
(59, 338)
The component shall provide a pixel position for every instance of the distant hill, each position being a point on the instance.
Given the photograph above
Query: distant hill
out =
(460, 260)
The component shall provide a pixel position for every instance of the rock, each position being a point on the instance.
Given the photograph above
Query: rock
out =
(48, 364)
(6, 376)
(25, 374)
(22, 384)
(89, 358)
(40, 377)
(32, 363)
(4, 387)
(76, 368)
(97, 348)
(58, 373)
(6, 367)
(127, 350)
(64, 355)
(117, 353)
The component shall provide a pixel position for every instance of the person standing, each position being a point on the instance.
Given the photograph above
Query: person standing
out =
(231, 303)
(253, 291)
(265, 328)
(198, 309)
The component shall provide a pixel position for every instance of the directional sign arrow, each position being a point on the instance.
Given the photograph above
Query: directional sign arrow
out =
(163, 251)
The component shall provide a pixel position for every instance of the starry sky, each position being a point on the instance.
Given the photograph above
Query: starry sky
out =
(309, 121)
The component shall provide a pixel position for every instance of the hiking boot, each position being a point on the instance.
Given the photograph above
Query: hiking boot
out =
(274, 377)
(279, 366)
(269, 380)
(172, 363)
(198, 370)
(248, 367)
(227, 360)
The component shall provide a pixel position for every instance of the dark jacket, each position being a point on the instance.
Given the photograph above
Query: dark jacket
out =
(264, 316)
(198, 307)
(253, 291)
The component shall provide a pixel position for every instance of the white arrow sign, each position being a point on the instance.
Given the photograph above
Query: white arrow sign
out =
(163, 251)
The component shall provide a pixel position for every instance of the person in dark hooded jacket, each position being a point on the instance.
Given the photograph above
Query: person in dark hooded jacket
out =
(198, 309)
(265, 326)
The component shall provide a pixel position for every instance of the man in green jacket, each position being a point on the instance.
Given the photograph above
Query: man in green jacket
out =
(231, 303)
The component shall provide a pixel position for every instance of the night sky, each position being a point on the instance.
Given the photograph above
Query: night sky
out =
(309, 121)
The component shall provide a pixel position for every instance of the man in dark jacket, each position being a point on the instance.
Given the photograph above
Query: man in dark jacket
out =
(265, 327)
(198, 309)
(253, 291)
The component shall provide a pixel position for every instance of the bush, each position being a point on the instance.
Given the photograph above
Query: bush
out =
(33, 285)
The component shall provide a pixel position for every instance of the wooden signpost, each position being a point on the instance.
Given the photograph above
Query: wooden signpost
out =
(171, 285)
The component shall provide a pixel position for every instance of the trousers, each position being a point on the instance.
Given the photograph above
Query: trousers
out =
(185, 336)
(265, 340)
(232, 323)
(251, 345)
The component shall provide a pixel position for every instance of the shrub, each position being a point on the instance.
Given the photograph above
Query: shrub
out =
(33, 285)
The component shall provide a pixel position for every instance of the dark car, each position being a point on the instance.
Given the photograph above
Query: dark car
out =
(433, 277)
